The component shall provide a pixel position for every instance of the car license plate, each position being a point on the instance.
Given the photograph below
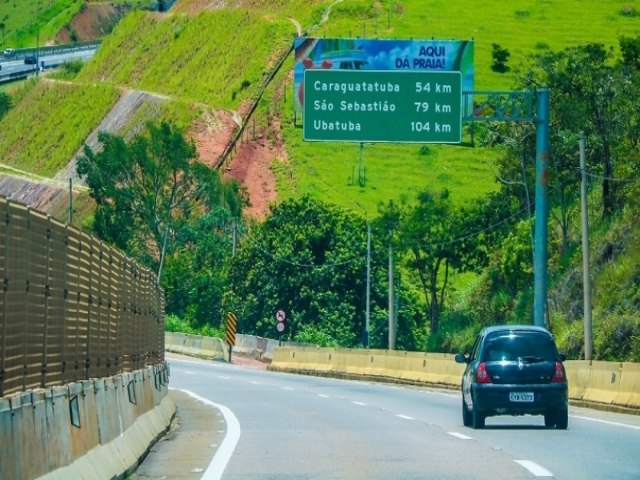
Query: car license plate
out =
(521, 396)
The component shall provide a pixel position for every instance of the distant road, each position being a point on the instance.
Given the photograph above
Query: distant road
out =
(16, 68)
(293, 426)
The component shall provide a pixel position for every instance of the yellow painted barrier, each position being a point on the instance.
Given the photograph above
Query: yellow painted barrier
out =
(629, 393)
(578, 375)
(604, 382)
(597, 383)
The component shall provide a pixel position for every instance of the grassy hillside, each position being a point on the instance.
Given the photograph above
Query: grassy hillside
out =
(218, 58)
(26, 20)
(205, 60)
(521, 26)
(50, 122)
(23, 23)
(330, 171)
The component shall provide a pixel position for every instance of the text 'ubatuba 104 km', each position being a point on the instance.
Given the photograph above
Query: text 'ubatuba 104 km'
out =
(382, 106)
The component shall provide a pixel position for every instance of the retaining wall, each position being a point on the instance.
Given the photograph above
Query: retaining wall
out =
(610, 385)
(93, 429)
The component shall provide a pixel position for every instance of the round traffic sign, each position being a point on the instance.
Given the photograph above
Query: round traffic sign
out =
(280, 316)
(280, 327)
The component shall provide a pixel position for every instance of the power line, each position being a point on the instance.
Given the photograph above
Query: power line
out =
(478, 232)
(611, 179)
(494, 226)
(268, 254)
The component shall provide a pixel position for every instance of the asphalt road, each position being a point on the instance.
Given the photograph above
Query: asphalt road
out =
(247, 423)
(17, 66)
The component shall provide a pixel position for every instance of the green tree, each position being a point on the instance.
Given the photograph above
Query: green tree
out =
(630, 48)
(148, 188)
(427, 232)
(589, 93)
(154, 197)
(195, 274)
(500, 56)
(308, 259)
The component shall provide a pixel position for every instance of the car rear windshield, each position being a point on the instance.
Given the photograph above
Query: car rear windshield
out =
(513, 346)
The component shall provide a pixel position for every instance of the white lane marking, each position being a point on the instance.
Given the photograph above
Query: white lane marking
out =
(194, 362)
(615, 424)
(290, 389)
(222, 456)
(256, 383)
(189, 372)
(222, 377)
(534, 468)
(359, 403)
(322, 395)
(460, 436)
(405, 417)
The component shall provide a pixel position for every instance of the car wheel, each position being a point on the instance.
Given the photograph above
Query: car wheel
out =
(477, 417)
(562, 419)
(550, 419)
(466, 415)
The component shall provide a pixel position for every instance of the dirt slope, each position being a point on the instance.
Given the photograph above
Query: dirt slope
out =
(95, 21)
(250, 164)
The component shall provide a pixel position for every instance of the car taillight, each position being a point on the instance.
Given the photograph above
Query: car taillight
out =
(481, 374)
(559, 376)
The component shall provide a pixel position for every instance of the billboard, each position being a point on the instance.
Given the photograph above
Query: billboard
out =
(380, 54)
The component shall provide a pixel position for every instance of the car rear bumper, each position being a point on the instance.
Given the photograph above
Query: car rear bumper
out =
(494, 399)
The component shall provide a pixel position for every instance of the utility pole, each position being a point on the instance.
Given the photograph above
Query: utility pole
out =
(70, 201)
(586, 274)
(368, 300)
(164, 248)
(37, 38)
(392, 329)
(542, 209)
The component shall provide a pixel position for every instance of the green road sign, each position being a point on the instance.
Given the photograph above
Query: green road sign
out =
(382, 106)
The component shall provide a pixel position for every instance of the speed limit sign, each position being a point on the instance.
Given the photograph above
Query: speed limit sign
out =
(281, 317)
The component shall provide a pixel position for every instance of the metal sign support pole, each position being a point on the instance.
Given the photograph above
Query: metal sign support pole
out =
(542, 208)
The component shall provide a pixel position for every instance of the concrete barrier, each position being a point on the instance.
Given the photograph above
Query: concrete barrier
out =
(599, 384)
(604, 382)
(195, 345)
(629, 393)
(610, 385)
(95, 429)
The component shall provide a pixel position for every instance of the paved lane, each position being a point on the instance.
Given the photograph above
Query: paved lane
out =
(318, 428)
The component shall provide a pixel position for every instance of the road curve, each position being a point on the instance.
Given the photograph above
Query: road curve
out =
(305, 427)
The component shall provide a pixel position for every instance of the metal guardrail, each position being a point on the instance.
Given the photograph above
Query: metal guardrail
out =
(71, 307)
(496, 106)
(21, 53)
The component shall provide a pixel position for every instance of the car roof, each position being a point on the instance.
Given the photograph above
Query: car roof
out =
(510, 328)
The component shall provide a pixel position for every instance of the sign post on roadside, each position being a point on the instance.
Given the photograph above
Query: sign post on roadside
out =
(281, 317)
(230, 337)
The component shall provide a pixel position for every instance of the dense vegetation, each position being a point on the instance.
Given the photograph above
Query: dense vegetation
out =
(460, 242)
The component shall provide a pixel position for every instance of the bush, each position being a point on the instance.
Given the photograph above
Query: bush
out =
(173, 323)
(570, 340)
(617, 339)
(314, 335)
(500, 56)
